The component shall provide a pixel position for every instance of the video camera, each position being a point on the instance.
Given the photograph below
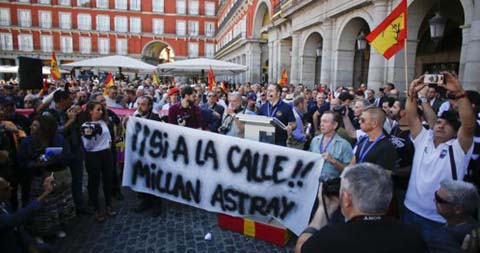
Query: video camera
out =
(90, 129)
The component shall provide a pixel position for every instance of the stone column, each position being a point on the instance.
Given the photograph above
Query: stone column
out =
(284, 60)
(294, 67)
(271, 61)
(376, 71)
(471, 73)
(466, 29)
(327, 56)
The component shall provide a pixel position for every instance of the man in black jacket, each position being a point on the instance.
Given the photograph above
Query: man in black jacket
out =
(144, 110)
(364, 196)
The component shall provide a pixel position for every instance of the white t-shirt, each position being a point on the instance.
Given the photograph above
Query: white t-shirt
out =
(430, 166)
(98, 142)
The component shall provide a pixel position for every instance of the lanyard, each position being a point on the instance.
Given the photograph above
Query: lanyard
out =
(275, 110)
(363, 153)
(328, 144)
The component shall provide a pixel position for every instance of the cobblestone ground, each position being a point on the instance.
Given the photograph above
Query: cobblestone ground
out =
(180, 228)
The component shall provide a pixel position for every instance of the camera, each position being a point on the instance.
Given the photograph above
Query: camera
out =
(90, 129)
(331, 187)
(434, 79)
(182, 118)
(340, 109)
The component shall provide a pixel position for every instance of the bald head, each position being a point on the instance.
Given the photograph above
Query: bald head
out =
(376, 114)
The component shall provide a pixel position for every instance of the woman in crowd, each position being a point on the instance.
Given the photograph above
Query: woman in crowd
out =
(45, 153)
(98, 158)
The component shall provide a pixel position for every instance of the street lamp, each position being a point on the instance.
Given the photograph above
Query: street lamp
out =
(319, 50)
(437, 27)
(361, 41)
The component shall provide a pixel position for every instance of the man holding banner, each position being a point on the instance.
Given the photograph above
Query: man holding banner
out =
(144, 110)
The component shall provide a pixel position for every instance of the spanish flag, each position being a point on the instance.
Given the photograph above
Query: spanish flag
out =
(390, 35)
(284, 78)
(173, 83)
(211, 79)
(223, 85)
(54, 70)
(155, 78)
(108, 83)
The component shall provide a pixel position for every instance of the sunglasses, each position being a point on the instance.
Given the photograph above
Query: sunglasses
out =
(439, 199)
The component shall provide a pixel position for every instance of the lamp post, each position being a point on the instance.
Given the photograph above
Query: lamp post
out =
(361, 41)
(437, 27)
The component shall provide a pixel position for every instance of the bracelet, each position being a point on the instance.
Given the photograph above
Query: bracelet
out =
(310, 230)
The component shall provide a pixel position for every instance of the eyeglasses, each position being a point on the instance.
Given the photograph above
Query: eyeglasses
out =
(439, 199)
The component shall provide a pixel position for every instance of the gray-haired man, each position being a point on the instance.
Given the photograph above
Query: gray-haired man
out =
(455, 201)
(365, 194)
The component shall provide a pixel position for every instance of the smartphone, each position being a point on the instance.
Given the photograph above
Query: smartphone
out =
(434, 79)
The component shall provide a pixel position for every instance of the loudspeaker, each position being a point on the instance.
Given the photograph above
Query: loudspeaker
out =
(30, 73)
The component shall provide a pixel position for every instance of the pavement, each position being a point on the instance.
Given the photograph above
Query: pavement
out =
(180, 228)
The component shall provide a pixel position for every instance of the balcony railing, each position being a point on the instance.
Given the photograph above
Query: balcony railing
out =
(235, 39)
(229, 14)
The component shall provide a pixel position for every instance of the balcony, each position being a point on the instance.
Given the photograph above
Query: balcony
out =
(231, 42)
(229, 14)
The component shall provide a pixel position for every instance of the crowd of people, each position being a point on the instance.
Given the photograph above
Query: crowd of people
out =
(412, 155)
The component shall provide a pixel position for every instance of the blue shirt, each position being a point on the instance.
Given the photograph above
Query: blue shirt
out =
(298, 133)
(339, 148)
(283, 112)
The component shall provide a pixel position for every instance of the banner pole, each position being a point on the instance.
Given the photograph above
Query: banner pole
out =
(405, 63)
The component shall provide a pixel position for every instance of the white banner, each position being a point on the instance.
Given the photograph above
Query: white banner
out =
(221, 174)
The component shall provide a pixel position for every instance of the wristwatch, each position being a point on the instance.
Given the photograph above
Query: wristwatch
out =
(310, 230)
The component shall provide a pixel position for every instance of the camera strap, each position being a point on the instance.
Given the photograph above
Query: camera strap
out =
(325, 208)
(328, 144)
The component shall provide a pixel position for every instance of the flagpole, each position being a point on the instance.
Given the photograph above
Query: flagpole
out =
(405, 59)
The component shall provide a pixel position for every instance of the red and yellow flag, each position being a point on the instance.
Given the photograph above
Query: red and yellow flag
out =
(173, 83)
(211, 79)
(284, 78)
(223, 85)
(108, 83)
(155, 78)
(54, 70)
(390, 35)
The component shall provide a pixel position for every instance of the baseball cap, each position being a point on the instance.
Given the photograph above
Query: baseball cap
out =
(451, 118)
(251, 96)
(172, 91)
(7, 100)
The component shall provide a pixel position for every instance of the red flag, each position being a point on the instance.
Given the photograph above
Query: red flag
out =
(223, 85)
(54, 70)
(108, 83)
(44, 87)
(211, 79)
(284, 78)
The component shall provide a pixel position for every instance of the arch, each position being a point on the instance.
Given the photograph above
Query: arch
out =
(263, 8)
(311, 60)
(352, 64)
(419, 12)
(363, 15)
(153, 50)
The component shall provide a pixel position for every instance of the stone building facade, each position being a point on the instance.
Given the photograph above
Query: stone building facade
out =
(152, 30)
(316, 41)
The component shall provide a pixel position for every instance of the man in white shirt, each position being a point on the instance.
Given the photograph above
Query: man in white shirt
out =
(433, 148)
